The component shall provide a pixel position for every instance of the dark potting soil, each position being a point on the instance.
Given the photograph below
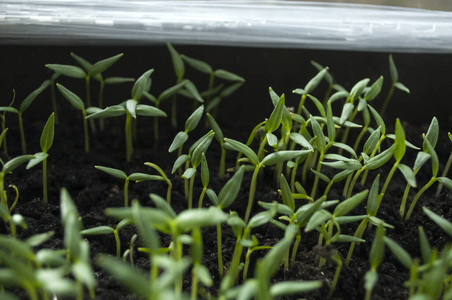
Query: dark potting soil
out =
(93, 191)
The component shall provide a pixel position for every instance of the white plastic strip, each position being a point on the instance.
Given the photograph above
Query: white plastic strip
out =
(230, 23)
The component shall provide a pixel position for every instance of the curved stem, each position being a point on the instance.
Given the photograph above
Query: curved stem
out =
(295, 248)
(418, 195)
(405, 197)
(292, 179)
(252, 192)
(201, 197)
(118, 243)
(221, 170)
(358, 233)
(360, 136)
(388, 179)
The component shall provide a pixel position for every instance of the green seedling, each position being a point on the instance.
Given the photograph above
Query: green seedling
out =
(179, 70)
(227, 196)
(309, 88)
(242, 232)
(395, 84)
(46, 143)
(329, 79)
(220, 138)
(193, 158)
(12, 220)
(256, 164)
(260, 286)
(137, 177)
(205, 178)
(79, 105)
(446, 168)
(7, 168)
(131, 109)
(164, 177)
(182, 136)
(421, 158)
(252, 245)
(22, 108)
(215, 94)
(6, 109)
(77, 249)
(199, 271)
(104, 230)
(447, 182)
(375, 259)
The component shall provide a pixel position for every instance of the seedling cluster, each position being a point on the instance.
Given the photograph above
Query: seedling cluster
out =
(307, 151)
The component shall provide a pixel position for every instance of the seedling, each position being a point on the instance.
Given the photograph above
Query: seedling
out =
(46, 143)
(309, 88)
(22, 108)
(6, 109)
(220, 138)
(375, 259)
(138, 177)
(164, 177)
(446, 168)
(103, 230)
(179, 70)
(395, 84)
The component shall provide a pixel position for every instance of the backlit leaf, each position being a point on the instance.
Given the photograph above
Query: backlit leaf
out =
(113, 172)
(314, 82)
(67, 70)
(141, 85)
(226, 75)
(408, 174)
(197, 64)
(194, 118)
(103, 65)
(180, 138)
(231, 189)
(178, 63)
(71, 97)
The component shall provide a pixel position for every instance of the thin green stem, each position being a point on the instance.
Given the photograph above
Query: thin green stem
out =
(352, 184)
(405, 197)
(444, 174)
(358, 233)
(360, 137)
(418, 195)
(101, 100)
(247, 264)
(386, 184)
(295, 248)
(3, 197)
(300, 105)
(85, 130)
(194, 285)
(347, 130)
(316, 180)
(88, 102)
(292, 178)
(364, 178)
(328, 187)
(338, 260)
(221, 170)
(128, 133)
(118, 243)
(252, 192)
(5, 147)
(126, 192)
(388, 98)
(22, 134)
(54, 102)
(261, 152)
(44, 180)
(190, 193)
(220, 251)
(15, 199)
(201, 197)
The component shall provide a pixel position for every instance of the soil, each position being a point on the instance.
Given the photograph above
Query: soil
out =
(93, 191)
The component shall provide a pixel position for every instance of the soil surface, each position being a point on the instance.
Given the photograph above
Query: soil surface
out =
(93, 191)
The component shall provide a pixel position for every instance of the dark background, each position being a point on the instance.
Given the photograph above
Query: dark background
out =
(426, 75)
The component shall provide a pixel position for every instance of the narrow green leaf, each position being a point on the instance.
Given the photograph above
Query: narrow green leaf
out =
(200, 217)
(242, 148)
(179, 162)
(299, 92)
(377, 248)
(347, 109)
(380, 159)
(300, 140)
(141, 85)
(372, 141)
(48, 133)
(280, 156)
(67, 70)
(318, 218)
(201, 148)
(338, 95)
(226, 75)
(214, 125)
(149, 111)
(403, 257)
(345, 147)
(447, 182)
(205, 176)
(203, 274)
(109, 112)
(374, 89)
(197, 64)
(272, 140)
(349, 219)
(72, 237)
(178, 141)
(194, 118)
(330, 123)
(304, 216)
(131, 106)
(145, 230)
(320, 142)
(213, 197)
(274, 121)
(378, 119)
(434, 157)
(370, 280)
(117, 80)
(101, 230)
(231, 189)
(9, 109)
(191, 88)
(321, 176)
(358, 89)
(163, 205)
(393, 70)
(287, 288)
(343, 238)
(432, 134)
(103, 65)
(189, 173)
(314, 82)
(400, 147)
(346, 206)
(178, 63)
(86, 65)
(318, 104)
(39, 157)
(372, 200)
(408, 174)
(328, 77)
(30, 98)
(341, 175)
(261, 218)
(351, 164)
(172, 90)
(113, 172)
(139, 177)
(401, 87)
(421, 159)
(71, 97)
(286, 193)
(12, 164)
(426, 250)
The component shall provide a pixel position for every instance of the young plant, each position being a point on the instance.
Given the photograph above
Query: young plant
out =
(104, 230)
(199, 271)
(6, 109)
(375, 259)
(395, 84)
(22, 108)
(227, 196)
(179, 70)
(447, 182)
(220, 138)
(446, 168)
(165, 178)
(309, 88)
(46, 143)
(134, 177)
(79, 105)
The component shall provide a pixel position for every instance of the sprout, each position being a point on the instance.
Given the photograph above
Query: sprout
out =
(446, 168)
